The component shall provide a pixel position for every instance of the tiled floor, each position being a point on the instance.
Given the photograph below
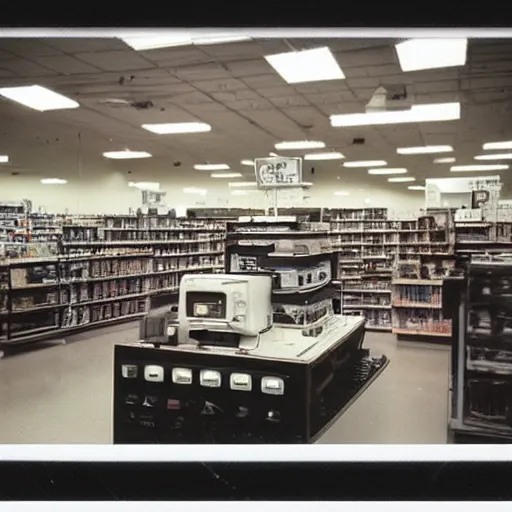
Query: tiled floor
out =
(63, 394)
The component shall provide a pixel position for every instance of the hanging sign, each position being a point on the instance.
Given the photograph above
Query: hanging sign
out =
(278, 172)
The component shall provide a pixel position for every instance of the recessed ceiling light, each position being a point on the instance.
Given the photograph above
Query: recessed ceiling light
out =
(447, 160)
(4, 159)
(194, 190)
(241, 192)
(507, 144)
(324, 156)
(247, 162)
(53, 181)
(304, 66)
(300, 144)
(365, 163)
(177, 128)
(225, 175)
(403, 179)
(143, 42)
(482, 167)
(387, 170)
(341, 193)
(211, 167)
(153, 186)
(418, 54)
(242, 184)
(38, 98)
(416, 114)
(416, 187)
(126, 154)
(424, 150)
(496, 156)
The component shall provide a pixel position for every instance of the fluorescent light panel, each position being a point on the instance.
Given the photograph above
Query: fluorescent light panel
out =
(496, 156)
(177, 128)
(241, 192)
(194, 190)
(365, 163)
(153, 186)
(4, 159)
(300, 144)
(247, 162)
(416, 187)
(481, 167)
(387, 170)
(154, 42)
(53, 181)
(416, 114)
(242, 184)
(419, 54)
(447, 160)
(211, 167)
(225, 175)
(507, 144)
(403, 179)
(324, 156)
(304, 66)
(126, 155)
(424, 150)
(38, 98)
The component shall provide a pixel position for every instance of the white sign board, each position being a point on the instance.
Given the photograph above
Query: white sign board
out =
(468, 215)
(505, 211)
(278, 172)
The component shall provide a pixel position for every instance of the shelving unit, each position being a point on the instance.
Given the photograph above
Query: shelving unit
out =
(364, 239)
(106, 270)
(425, 257)
(482, 355)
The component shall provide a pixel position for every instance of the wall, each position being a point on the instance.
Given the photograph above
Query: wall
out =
(109, 193)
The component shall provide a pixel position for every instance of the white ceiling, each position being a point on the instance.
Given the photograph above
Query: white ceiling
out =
(250, 107)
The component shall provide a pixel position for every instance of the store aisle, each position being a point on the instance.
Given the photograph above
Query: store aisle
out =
(63, 394)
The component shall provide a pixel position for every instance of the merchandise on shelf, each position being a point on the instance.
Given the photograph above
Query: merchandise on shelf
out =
(92, 278)
(483, 369)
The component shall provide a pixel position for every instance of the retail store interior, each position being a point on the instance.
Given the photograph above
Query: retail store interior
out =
(129, 160)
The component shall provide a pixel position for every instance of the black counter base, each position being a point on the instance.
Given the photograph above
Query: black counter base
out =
(316, 395)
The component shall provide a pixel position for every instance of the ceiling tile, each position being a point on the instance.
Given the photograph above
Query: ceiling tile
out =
(191, 98)
(115, 61)
(346, 107)
(290, 101)
(241, 105)
(66, 65)
(230, 84)
(308, 117)
(261, 81)
(79, 44)
(276, 92)
(26, 68)
(253, 67)
(211, 71)
(276, 123)
(321, 87)
(330, 97)
(28, 48)
(245, 94)
(240, 50)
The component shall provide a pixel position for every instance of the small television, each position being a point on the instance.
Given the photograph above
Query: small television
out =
(214, 305)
